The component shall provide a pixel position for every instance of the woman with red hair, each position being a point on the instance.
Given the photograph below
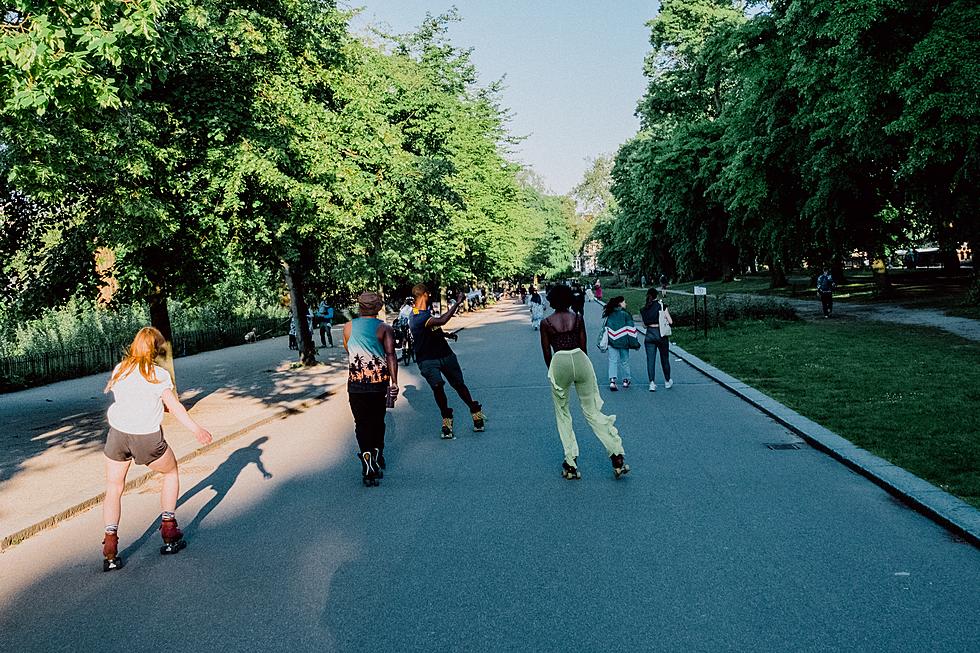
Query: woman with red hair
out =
(141, 389)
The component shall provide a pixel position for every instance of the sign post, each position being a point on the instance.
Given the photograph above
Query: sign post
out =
(701, 291)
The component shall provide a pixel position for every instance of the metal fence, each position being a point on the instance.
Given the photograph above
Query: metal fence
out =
(18, 372)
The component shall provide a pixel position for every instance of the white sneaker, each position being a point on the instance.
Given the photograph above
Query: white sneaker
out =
(669, 384)
(653, 386)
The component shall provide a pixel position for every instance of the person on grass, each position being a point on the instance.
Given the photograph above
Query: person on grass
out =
(657, 320)
(436, 360)
(372, 380)
(563, 343)
(825, 290)
(141, 389)
(621, 332)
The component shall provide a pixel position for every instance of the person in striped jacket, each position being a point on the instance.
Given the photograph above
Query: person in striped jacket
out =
(621, 333)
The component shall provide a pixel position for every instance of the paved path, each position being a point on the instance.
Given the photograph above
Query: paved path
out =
(713, 543)
(961, 326)
(56, 432)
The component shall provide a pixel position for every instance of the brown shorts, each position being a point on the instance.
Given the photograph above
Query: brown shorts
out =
(143, 448)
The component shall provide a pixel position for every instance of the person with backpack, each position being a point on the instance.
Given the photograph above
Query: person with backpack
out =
(657, 320)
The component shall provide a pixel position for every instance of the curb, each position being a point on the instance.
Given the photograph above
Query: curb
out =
(952, 513)
(294, 407)
(959, 517)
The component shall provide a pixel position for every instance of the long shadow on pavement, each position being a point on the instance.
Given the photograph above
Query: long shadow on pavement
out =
(220, 480)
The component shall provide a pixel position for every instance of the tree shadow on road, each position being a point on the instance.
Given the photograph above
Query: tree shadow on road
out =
(250, 372)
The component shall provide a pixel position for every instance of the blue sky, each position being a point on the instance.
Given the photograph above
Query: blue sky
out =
(574, 69)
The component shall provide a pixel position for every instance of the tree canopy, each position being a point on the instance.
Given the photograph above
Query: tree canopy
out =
(799, 131)
(197, 138)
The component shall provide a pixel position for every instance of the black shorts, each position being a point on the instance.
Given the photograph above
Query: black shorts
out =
(144, 448)
(434, 369)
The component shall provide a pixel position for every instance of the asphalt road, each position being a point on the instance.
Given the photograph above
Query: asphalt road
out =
(713, 543)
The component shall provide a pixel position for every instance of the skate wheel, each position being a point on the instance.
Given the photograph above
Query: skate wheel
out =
(174, 547)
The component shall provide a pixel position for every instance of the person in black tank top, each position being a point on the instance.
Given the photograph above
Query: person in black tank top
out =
(563, 343)
(437, 360)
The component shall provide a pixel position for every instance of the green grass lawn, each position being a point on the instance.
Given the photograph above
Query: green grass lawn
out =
(923, 288)
(909, 395)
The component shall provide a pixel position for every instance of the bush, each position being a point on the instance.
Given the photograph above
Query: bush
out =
(722, 310)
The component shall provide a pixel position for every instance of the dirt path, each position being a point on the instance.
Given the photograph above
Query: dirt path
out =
(961, 326)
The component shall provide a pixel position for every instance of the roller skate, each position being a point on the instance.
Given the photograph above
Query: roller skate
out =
(368, 471)
(447, 428)
(379, 462)
(570, 472)
(110, 551)
(479, 421)
(173, 537)
(620, 468)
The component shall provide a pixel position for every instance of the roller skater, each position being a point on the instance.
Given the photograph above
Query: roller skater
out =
(372, 382)
(436, 360)
(563, 343)
(141, 389)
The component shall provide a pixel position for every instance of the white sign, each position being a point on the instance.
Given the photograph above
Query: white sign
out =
(700, 290)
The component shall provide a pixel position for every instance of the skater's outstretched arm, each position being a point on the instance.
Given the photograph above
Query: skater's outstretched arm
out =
(173, 404)
(442, 320)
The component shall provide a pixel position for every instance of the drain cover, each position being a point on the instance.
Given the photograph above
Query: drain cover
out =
(782, 446)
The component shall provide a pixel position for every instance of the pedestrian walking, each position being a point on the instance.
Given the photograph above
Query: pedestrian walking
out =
(537, 309)
(825, 290)
(324, 314)
(141, 389)
(436, 360)
(621, 335)
(293, 331)
(578, 299)
(597, 290)
(563, 343)
(657, 320)
(372, 382)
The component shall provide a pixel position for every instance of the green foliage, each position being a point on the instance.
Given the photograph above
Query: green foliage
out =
(821, 369)
(203, 140)
(799, 133)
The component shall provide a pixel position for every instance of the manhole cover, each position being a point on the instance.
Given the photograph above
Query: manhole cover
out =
(782, 446)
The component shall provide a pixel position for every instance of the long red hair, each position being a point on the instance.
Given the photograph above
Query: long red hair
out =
(142, 354)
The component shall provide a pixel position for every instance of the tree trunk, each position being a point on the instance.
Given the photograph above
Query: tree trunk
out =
(293, 276)
(777, 274)
(160, 319)
(837, 270)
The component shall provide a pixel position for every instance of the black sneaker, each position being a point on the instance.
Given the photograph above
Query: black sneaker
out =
(447, 428)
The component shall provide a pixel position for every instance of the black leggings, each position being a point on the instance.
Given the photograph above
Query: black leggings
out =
(369, 410)
(655, 344)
